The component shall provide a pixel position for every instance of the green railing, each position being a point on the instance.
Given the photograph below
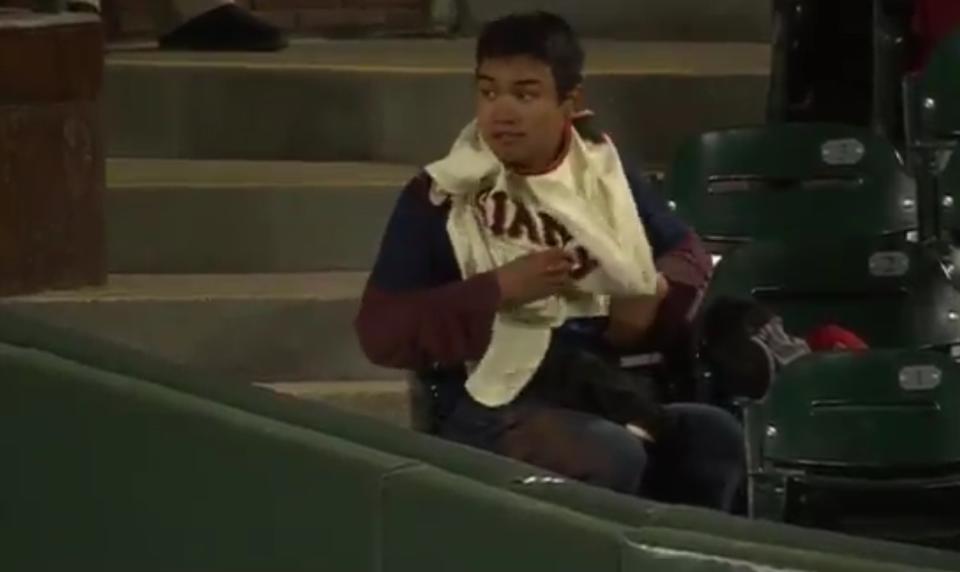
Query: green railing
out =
(115, 461)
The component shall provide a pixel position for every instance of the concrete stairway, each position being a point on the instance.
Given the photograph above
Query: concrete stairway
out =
(403, 101)
(194, 216)
(247, 192)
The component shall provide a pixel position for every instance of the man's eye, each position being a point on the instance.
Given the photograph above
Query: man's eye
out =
(487, 94)
(526, 96)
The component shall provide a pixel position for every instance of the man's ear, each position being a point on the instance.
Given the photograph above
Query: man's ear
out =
(573, 102)
(582, 117)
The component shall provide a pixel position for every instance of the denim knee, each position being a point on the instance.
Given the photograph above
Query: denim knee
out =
(706, 445)
(625, 454)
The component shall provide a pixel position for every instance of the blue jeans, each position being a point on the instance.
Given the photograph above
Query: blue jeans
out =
(698, 458)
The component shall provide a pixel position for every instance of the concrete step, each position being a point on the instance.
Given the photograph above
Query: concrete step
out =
(403, 101)
(663, 20)
(255, 327)
(180, 216)
(386, 400)
(239, 217)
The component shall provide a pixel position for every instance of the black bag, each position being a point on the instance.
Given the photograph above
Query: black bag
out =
(575, 378)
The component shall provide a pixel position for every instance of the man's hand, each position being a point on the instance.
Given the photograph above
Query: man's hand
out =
(534, 276)
(630, 318)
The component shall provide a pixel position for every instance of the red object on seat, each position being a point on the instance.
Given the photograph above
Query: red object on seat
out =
(934, 20)
(833, 337)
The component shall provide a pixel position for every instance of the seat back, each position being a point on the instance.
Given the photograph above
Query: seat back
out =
(791, 181)
(940, 92)
(892, 21)
(932, 106)
(949, 183)
(888, 291)
(882, 409)
(813, 45)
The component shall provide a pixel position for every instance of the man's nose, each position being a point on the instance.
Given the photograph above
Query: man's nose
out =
(504, 111)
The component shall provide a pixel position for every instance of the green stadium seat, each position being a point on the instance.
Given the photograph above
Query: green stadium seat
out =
(840, 39)
(891, 30)
(939, 89)
(949, 182)
(940, 124)
(891, 292)
(933, 131)
(791, 182)
(871, 410)
(863, 443)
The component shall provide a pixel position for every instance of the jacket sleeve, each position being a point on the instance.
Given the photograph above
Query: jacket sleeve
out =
(680, 256)
(416, 310)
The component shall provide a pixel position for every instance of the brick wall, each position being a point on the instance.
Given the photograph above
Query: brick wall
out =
(131, 18)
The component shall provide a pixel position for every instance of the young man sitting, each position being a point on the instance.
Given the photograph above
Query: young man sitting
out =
(513, 269)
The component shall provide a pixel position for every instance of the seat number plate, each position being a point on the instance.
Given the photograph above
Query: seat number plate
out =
(842, 152)
(920, 378)
(891, 263)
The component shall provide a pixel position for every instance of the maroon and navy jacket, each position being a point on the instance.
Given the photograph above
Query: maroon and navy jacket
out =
(419, 313)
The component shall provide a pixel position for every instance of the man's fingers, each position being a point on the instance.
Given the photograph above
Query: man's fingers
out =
(561, 273)
(559, 268)
(557, 256)
(561, 281)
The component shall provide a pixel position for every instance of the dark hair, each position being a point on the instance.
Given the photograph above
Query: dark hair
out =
(541, 35)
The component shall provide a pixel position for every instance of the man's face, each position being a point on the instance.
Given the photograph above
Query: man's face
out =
(518, 111)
